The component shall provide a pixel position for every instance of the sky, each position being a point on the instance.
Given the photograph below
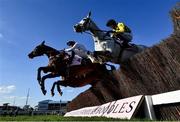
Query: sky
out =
(26, 23)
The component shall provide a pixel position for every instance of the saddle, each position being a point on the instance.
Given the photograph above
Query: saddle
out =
(132, 47)
(125, 45)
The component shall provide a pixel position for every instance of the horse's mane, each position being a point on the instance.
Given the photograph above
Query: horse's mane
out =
(51, 49)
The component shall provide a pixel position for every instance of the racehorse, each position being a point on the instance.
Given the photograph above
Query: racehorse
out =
(73, 76)
(106, 47)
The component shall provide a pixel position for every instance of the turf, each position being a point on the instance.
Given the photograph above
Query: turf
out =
(55, 118)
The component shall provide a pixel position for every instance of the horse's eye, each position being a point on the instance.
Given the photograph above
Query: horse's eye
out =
(36, 49)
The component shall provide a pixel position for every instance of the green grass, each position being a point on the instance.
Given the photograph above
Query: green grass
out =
(55, 118)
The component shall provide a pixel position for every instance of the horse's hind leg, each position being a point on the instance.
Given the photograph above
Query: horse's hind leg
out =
(52, 89)
(50, 75)
(61, 83)
(59, 89)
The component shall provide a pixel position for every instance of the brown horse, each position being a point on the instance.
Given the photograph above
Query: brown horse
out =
(73, 76)
(91, 74)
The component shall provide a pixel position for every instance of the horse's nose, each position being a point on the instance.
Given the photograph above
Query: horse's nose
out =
(30, 55)
(75, 26)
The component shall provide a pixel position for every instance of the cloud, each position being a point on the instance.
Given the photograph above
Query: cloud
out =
(14, 100)
(7, 89)
(9, 97)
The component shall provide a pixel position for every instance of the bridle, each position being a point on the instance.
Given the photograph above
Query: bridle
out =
(87, 24)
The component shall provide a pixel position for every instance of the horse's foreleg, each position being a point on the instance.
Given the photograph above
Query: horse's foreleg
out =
(47, 69)
(100, 56)
(50, 75)
(39, 74)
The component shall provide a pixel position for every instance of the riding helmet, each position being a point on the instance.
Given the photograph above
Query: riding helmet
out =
(111, 22)
(71, 43)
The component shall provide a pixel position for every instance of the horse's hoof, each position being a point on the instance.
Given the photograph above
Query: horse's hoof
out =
(44, 92)
(39, 81)
(52, 94)
(60, 93)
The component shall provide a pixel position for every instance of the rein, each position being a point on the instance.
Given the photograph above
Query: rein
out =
(97, 30)
(88, 33)
(101, 30)
(88, 24)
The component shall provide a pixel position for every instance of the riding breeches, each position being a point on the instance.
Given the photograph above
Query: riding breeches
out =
(125, 36)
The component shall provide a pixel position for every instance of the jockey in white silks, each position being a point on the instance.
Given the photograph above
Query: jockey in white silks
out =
(76, 60)
(79, 50)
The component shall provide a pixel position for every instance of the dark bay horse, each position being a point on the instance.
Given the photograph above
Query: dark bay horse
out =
(73, 76)
(40, 50)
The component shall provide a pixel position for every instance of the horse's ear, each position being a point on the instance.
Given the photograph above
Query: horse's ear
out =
(43, 43)
(89, 14)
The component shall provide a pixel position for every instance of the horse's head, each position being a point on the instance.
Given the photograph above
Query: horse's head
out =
(38, 50)
(83, 25)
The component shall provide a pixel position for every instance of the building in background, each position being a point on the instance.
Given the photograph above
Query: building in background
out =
(43, 105)
(52, 107)
(7, 109)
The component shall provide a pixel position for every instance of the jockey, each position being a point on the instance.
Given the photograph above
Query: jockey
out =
(79, 49)
(69, 57)
(66, 59)
(120, 32)
(72, 58)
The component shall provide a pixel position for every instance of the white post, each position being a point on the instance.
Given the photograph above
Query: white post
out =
(148, 108)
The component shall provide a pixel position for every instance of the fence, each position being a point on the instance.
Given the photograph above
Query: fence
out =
(128, 107)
